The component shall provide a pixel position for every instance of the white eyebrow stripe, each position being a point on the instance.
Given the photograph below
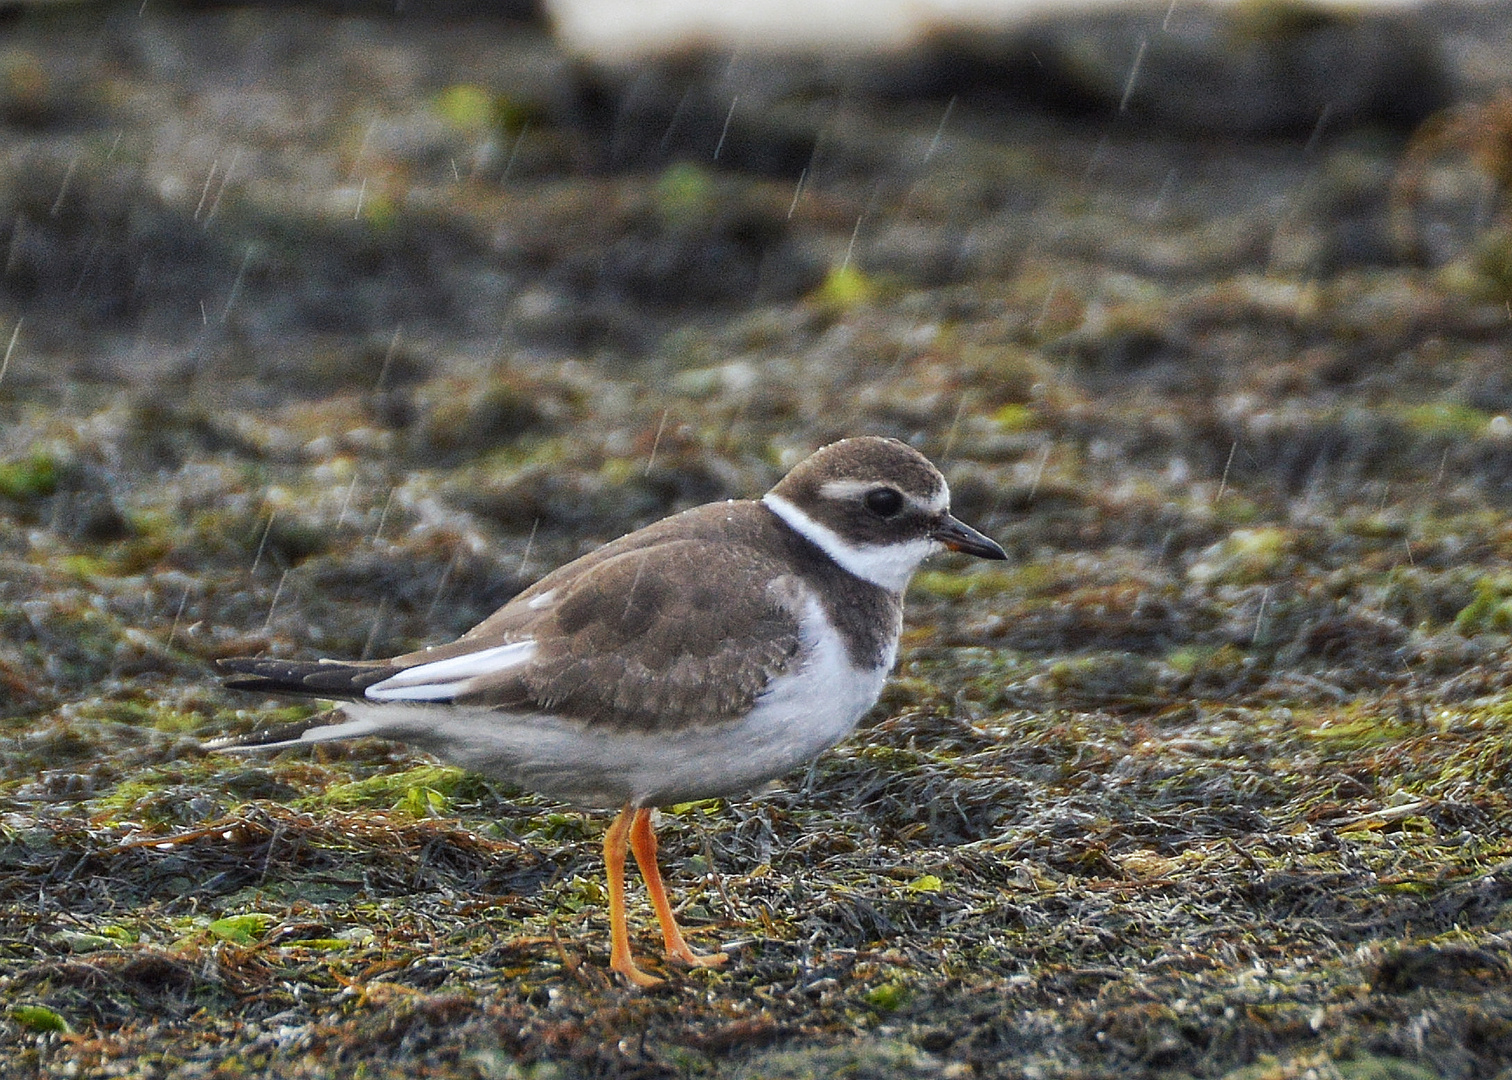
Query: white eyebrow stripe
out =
(841, 489)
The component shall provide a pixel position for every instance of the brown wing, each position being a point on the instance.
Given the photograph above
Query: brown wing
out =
(676, 633)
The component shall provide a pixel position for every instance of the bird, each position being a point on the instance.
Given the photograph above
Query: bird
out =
(698, 657)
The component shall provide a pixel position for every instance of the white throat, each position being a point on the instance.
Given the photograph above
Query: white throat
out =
(887, 565)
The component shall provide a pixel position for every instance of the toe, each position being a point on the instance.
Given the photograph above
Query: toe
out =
(698, 959)
(636, 977)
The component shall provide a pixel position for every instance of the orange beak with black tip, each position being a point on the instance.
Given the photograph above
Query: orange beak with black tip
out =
(958, 536)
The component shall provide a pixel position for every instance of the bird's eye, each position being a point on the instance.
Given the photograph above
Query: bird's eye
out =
(884, 502)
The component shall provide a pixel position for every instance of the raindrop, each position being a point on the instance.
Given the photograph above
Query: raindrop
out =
(807, 787)
(388, 358)
(383, 515)
(441, 588)
(797, 191)
(656, 442)
(1123, 104)
(68, 174)
(378, 620)
(1260, 616)
(173, 633)
(13, 253)
(11, 348)
(634, 584)
(726, 129)
(736, 417)
(850, 248)
(367, 137)
(276, 594)
(1039, 472)
(89, 261)
(346, 503)
(1160, 196)
(1044, 311)
(236, 285)
(263, 543)
(1227, 465)
(514, 152)
(221, 190)
(60, 503)
(950, 435)
(205, 191)
(677, 114)
(934, 143)
(1097, 156)
(1317, 131)
(1315, 478)
(529, 542)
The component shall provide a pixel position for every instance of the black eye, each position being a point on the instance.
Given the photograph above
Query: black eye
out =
(884, 502)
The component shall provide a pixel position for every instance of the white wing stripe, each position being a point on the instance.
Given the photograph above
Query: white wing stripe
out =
(442, 679)
(427, 692)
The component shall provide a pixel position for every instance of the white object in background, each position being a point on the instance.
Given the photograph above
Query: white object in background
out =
(620, 30)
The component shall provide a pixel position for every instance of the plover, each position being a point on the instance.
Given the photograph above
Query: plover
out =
(696, 658)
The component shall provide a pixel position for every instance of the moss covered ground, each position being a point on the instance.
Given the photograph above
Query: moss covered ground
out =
(329, 334)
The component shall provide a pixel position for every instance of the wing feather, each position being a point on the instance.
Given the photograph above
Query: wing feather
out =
(313, 678)
(660, 629)
(645, 639)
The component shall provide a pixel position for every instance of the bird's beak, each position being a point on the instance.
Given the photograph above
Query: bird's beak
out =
(958, 536)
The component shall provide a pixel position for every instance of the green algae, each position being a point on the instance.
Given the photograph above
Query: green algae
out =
(1213, 768)
(33, 477)
(420, 791)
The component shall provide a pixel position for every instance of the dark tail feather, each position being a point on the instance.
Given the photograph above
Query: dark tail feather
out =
(312, 729)
(312, 678)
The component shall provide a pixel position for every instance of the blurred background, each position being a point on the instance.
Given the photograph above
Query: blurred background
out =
(327, 327)
(451, 266)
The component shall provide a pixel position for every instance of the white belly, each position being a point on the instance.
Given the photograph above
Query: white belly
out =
(803, 713)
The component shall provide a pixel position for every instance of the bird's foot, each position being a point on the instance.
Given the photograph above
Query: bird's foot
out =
(633, 974)
(686, 955)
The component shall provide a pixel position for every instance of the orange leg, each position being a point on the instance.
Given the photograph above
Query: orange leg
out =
(614, 866)
(643, 844)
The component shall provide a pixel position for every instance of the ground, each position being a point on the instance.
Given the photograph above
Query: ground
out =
(328, 333)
